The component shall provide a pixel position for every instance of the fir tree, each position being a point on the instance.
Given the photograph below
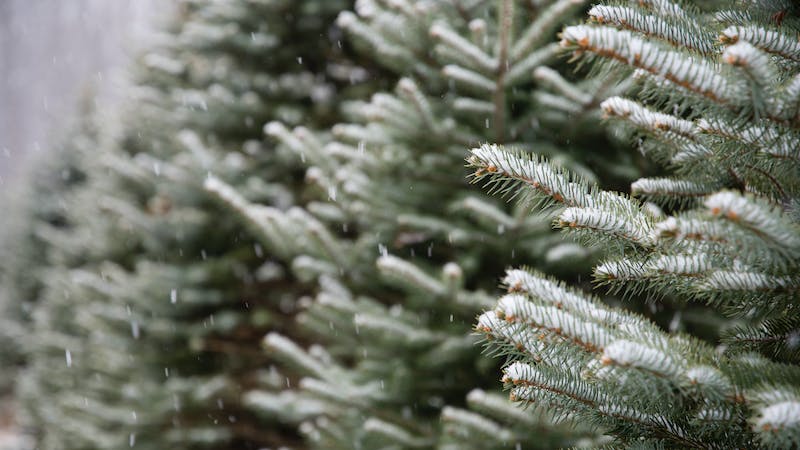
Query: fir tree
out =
(34, 205)
(717, 107)
(394, 231)
(192, 237)
(146, 328)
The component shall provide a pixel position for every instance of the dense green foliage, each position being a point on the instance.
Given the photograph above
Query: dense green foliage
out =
(274, 243)
(722, 117)
(396, 230)
(151, 302)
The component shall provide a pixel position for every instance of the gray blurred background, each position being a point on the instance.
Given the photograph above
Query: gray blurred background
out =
(54, 51)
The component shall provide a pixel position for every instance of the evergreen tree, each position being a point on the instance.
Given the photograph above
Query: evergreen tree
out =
(717, 106)
(34, 205)
(394, 231)
(146, 326)
(351, 240)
